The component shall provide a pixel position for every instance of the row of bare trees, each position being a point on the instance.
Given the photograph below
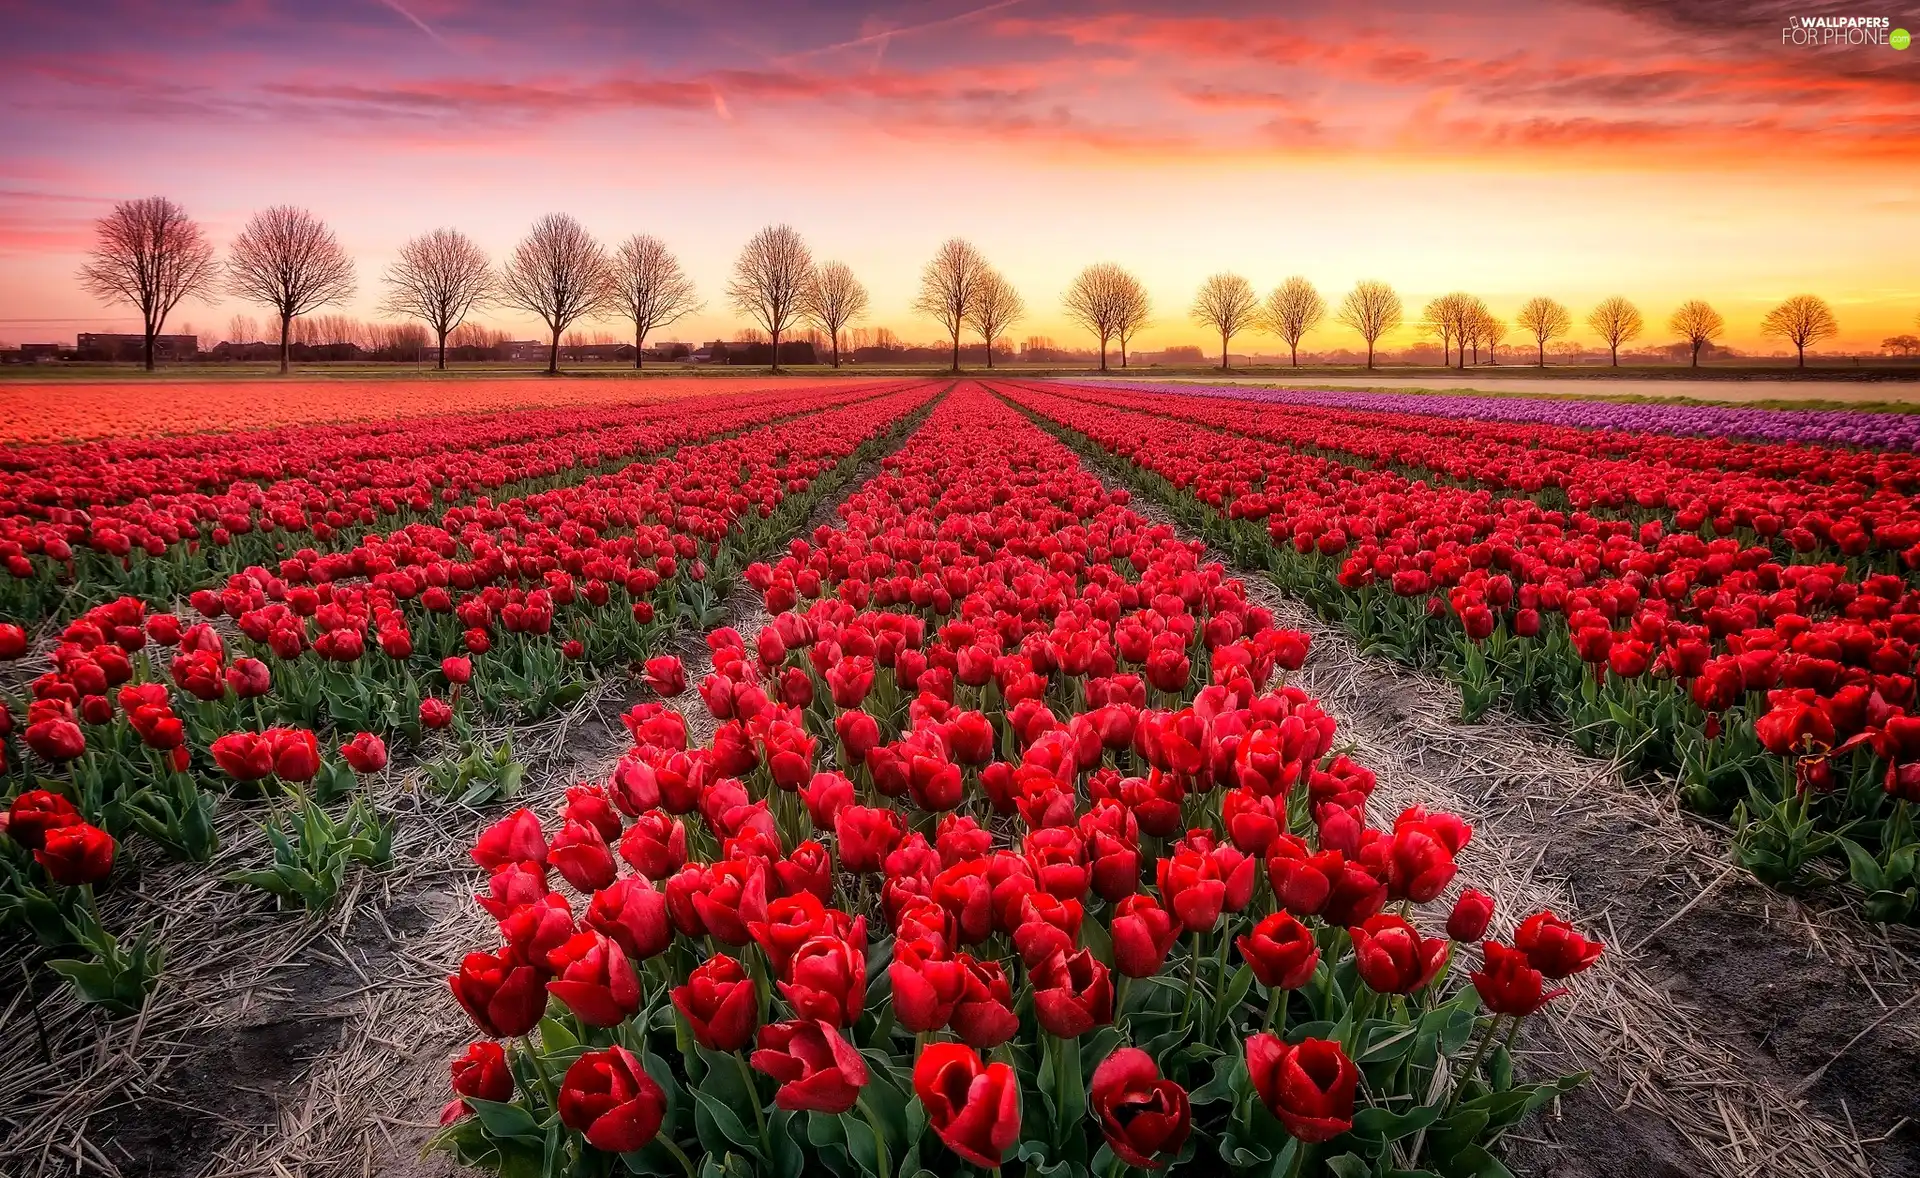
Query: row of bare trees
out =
(151, 255)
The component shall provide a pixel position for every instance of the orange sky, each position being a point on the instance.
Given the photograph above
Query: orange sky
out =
(1661, 151)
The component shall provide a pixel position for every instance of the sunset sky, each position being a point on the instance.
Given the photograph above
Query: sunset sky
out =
(1663, 151)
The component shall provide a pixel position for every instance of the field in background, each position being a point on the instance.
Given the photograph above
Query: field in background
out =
(55, 412)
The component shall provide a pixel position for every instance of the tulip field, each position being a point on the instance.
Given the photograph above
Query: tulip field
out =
(964, 806)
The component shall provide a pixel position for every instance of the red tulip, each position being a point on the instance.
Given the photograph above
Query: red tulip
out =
(1143, 933)
(1072, 994)
(1472, 912)
(973, 1107)
(435, 712)
(984, 1016)
(365, 753)
(37, 811)
(1280, 951)
(719, 1004)
(925, 988)
(819, 1071)
(503, 996)
(514, 839)
(1143, 1116)
(596, 981)
(581, 856)
(1553, 947)
(609, 1096)
(1392, 957)
(1508, 984)
(666, 676)
(827, 978)
(633, 913)
(76, 853)
(1308, 1086)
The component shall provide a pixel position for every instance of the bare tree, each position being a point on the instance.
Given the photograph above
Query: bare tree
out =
(287, 259)
(1696, 323)
(951, 286)
(148, 253)
(837, 298)
(998, 308)
(1451, 316)
(439, 278)
(1136, 311)
(1490, 330)
(1803, 320)
(1226, 303)
(1371, 309)
(1096, 300)
(558, 272)
(1542, 318)
(649, 287)
(1292, 310)
(1616, 321)
(772, 280)
(243, 329)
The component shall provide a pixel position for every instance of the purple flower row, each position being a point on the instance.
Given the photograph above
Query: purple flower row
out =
(1884, 431)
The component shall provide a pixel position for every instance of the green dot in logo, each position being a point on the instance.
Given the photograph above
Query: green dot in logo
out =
(1900, 39)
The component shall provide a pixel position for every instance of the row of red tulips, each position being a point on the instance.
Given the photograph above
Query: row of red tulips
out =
(158, 518)
(1800, 498)
(1011, 846)
(145, 718)
(1777, 693)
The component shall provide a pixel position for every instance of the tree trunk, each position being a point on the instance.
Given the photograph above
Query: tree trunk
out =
(1543, 353)
(836, 349)
(956, 350)
(1369, 354)
(553, 354)
(639, 339)
(1123, 351)
(1802, 349)
(1614, 349)
(1294, 350)
(286, 341)
(1696, 353)
(1103, 353)
(1223, 351)
(776, 352)
(442, 365)
(989, 355)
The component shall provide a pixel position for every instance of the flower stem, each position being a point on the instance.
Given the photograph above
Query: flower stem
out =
(753, 1095)
(1473, 1067)
(1277, 1008)
(680, 1154)
(879, 1136)
(1193, 971)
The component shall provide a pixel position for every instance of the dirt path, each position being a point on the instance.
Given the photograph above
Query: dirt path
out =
(1731, 1030)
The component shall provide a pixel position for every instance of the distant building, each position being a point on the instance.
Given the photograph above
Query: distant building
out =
(120, 346)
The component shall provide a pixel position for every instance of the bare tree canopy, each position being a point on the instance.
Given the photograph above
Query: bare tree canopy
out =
(649, 287)
(1698, 323)
(1226, 303)
(1292, 310)
(558, 272)
(1371, 309)
(950, 286)
(772, 279)
(837, 299)
(1097, 301)
(998, 308)
(150, 254)
(287, 259)
(1803, 320)
(1616, 321)
(439, 278)
(1542, 318)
